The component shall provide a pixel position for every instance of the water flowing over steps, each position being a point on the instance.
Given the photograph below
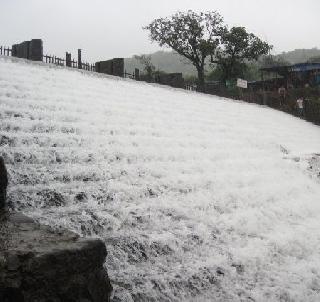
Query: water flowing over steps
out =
(192, 194)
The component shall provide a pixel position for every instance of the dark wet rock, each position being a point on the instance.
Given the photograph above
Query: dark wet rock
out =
(195, 239)
(81, 197)
(38, 264)
(6, 141)
(220, 271)
(136, 251)
(160, 249)
(17, 115)
(239, 268)
(284, 150)
(314, 165)
(19, 157)
(142, 297)
(19, 201)
(3, 184)
(51, 198)
(151, 193)
(132, 248)
(90, 224)
(198, 282)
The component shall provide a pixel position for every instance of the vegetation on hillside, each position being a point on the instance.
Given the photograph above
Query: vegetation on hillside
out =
(170, 61)
(300, 55)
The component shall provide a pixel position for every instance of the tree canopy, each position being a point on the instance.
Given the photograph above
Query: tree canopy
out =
(236, 48)
(192, 35)
(196, 36)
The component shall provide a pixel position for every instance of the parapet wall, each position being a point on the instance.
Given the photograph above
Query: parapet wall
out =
(31, 50)
(113, 67)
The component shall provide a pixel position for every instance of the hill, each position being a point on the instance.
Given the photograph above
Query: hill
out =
(167, 61)
(300, 55)
(198, 198)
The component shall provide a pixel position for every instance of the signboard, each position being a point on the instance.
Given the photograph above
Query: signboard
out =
(242, 83)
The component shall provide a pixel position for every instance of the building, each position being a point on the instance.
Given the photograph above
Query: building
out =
(293, 76)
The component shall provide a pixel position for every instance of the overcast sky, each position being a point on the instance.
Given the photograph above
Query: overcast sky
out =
(106, 29)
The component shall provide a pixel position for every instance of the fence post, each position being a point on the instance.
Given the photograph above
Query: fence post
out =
(79, 59)
(68, 59)
(264, 97)
(35, 50)
(118, 67)
(137, 74)
(14, 50)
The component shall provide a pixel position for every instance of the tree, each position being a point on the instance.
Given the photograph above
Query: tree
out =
(237, 48)
(194, 36)
(149, 68)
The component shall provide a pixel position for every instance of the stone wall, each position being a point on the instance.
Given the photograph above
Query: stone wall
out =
(118, 67)
(31, 50)
(38, 264)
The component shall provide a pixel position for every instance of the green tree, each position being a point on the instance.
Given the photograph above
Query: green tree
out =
(237, 48)
(192, 35)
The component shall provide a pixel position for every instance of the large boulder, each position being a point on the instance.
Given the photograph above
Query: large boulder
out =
(39, 264)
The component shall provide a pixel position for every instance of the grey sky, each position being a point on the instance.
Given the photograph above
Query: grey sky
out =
(105, 29)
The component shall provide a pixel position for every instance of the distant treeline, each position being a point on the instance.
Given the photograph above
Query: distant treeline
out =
(169, 61)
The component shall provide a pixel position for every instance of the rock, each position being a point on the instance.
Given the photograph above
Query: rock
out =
(12, 262)
(39, 264)
(51, 198)
(3, 184)
(81, 197)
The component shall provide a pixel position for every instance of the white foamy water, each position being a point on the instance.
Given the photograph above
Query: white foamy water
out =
(198, 198)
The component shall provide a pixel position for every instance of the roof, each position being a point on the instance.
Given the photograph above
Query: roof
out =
(306, 66)
(278, 69)
(300, 67)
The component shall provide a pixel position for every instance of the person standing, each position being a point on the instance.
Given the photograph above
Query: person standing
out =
(300, 106)
(282, 95)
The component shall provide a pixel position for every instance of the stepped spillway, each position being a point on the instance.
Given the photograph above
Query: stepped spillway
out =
(198, 198)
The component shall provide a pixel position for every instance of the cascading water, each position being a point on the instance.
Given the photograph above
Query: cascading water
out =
(192, 194)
